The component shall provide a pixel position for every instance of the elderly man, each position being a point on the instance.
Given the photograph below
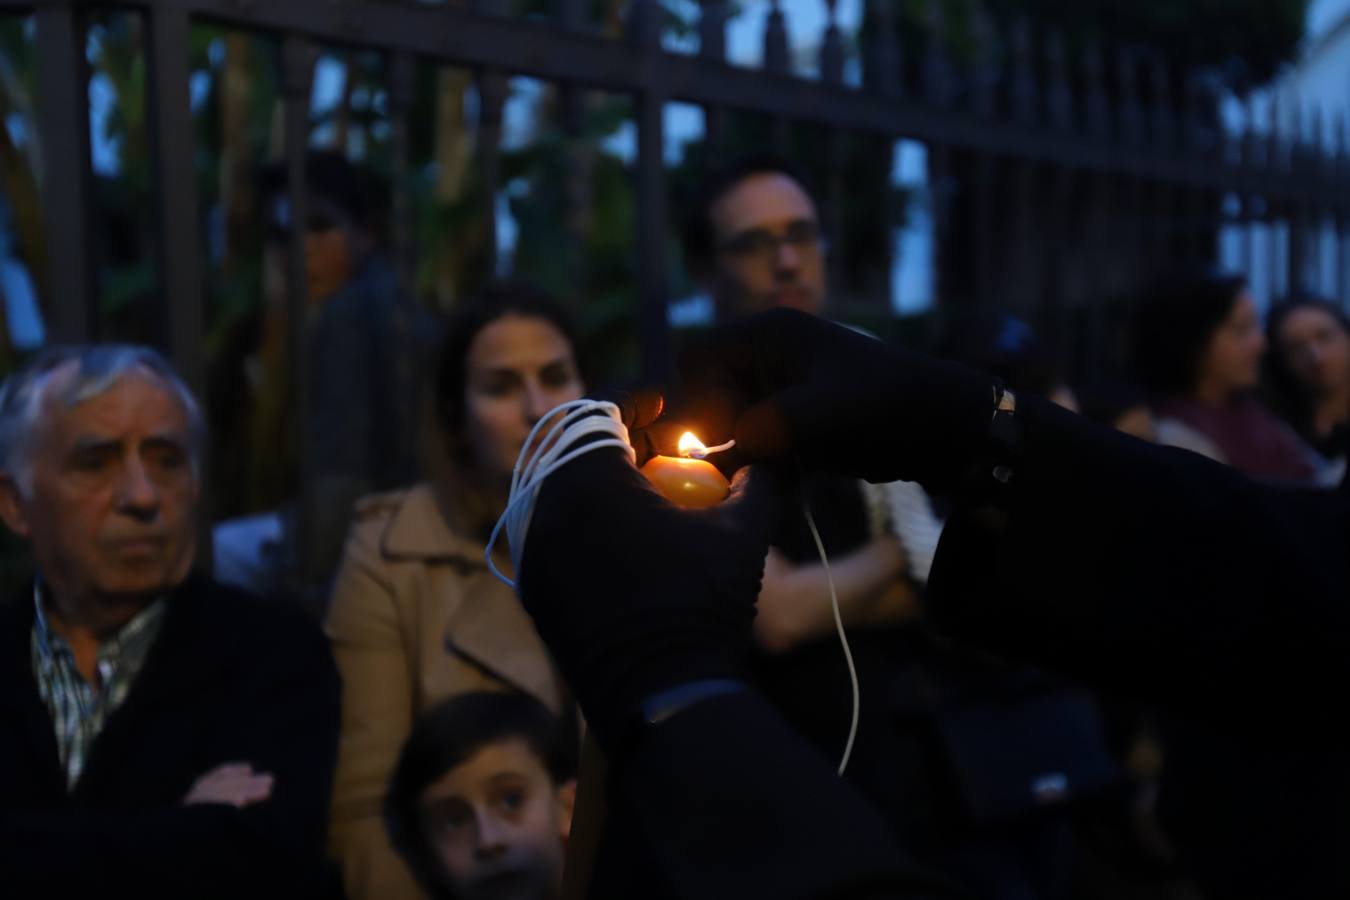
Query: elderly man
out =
(163, 734)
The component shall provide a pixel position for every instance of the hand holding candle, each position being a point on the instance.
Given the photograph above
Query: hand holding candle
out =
(688, 480)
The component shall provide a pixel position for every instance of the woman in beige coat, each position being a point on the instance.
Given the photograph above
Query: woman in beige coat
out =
(415, 616)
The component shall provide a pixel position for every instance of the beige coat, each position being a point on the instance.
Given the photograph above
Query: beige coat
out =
(415, 618)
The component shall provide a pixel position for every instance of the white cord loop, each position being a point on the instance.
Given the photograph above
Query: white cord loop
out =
(571, 422)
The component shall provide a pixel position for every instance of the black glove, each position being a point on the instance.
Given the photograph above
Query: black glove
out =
(784, 382)
(635, 596)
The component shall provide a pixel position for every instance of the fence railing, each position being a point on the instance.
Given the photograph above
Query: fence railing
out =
(1117, 129)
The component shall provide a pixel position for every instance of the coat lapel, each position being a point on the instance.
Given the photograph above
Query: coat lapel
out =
(177, 664)
(492, 632)
(489, 629)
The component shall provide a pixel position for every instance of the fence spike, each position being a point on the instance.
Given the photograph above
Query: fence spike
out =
(1096, 108)
(1127, 82)
(776, 40)
(1023, 82)
(984, 76)
(832, 48)
(1059, 96)
(881, 66)
(1160, 86)
(937, 74)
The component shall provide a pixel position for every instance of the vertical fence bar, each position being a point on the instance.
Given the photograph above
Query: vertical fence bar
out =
(176, 193)
(832, 73)
(776, 63)
(712, 47)
(644, 32)
(67, 192)
(938, 87)
(881, 56)
(402, 74)
(1130, 121)
(492, 91)
(181, 297)
(569, 16)
(298, 56)
(1022, 93)
(1340, 175)
(1058, 94)
(1160, 86)
(984, 75)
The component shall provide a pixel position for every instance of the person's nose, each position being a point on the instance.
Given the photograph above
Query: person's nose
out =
(538, 402)
(786, 257)
(492, 837)
(137, 494)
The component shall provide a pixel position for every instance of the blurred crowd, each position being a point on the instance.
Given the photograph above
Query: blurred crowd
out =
(420, 741)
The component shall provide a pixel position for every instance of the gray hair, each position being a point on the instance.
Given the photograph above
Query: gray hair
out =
(98, 367)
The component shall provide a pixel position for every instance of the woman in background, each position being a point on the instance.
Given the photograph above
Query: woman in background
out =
(416, 618)
(1197, 348)
(1308, 372)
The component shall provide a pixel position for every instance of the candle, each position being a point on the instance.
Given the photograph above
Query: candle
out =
(687, 481)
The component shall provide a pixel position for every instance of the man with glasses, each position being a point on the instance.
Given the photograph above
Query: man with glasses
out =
(754, 241)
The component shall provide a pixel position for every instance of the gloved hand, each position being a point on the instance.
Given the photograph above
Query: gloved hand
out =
(635, 596)
(787, 383)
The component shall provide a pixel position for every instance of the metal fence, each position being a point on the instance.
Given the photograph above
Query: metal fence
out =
(1091, 153)
(1059, 180)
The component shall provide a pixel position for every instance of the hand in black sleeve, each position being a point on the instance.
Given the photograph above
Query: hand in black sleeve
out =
(786, 383)
(635, 596)
(641, 601)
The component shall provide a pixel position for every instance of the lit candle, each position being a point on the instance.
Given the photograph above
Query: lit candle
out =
(685, 480)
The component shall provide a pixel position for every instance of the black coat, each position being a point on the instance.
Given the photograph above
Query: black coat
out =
(725, 802)
(1158, 573)
(229, 679)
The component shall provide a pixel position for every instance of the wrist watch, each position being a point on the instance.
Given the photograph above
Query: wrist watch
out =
(1005, 434)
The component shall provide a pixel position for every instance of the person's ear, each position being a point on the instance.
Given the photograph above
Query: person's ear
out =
(11, 505)
(567, 800)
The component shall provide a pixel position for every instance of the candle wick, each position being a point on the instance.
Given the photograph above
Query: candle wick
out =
(703, 452)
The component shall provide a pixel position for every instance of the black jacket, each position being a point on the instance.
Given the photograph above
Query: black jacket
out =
(725, 802)
(1163, 575)
(229, 679)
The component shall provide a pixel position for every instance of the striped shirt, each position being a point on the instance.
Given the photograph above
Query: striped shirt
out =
(79, 709)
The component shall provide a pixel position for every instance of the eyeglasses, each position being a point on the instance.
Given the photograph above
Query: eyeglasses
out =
(758, 245)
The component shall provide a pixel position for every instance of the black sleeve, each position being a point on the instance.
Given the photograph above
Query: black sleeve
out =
(1154, 571)
(282, 717)
(724, 801)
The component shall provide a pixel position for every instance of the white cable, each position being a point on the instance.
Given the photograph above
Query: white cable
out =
(843, 638)
(570, 422)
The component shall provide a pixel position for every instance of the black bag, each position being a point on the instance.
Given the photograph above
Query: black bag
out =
(1011, 757)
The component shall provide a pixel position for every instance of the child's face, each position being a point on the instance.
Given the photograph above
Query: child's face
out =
(499, 824)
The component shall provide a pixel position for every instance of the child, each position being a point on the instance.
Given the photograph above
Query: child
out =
(480, 803)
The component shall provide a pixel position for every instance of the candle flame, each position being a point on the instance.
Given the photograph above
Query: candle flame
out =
(690, 445)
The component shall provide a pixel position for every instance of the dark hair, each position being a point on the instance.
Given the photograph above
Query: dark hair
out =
(1173, 325)
(1289, 398)
(1002, 345)
(448, 735)
(332, 176)
(496, 299)
(697, 229)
